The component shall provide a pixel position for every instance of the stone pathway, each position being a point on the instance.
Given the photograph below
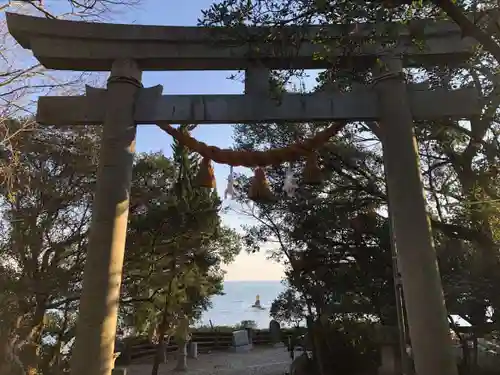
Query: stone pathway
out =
(261, 361)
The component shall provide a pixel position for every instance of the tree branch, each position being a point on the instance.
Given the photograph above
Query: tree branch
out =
(468, 27)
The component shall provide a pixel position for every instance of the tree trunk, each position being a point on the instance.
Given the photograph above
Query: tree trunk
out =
(162, 328)
(152, 333)
(9, 364)
(52, 361)
(313, 342)
(182, 356)
(30, 350)
(4, 353)
(160, 356)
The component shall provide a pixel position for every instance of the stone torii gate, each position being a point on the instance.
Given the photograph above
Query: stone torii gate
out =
(127, 50)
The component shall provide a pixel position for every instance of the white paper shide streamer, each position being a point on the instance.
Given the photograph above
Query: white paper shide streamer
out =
(230, 185)
(290, 185)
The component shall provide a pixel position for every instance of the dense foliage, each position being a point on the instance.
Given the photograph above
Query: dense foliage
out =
(175, 249)
(176, 245)
(335, 238)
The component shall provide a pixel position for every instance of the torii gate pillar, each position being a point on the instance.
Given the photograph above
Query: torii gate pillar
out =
(96, 326)
(427, 316)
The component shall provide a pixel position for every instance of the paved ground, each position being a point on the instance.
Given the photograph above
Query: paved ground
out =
(262, 361)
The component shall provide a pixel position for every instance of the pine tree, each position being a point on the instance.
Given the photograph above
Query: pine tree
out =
(175, 247)
(197, 214)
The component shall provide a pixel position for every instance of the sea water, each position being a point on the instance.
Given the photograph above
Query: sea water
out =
(236, 303)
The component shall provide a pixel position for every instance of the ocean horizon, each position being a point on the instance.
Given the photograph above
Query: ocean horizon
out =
(236, 303)
(239, 295)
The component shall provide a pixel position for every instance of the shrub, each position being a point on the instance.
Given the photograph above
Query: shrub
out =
(246, 324)
(347, 347)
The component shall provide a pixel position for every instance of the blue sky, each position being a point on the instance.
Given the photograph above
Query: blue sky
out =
(151, 138)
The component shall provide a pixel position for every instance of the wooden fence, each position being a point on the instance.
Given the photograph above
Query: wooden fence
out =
(134, 348)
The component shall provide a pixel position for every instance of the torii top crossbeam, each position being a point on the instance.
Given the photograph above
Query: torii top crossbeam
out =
(85, 46)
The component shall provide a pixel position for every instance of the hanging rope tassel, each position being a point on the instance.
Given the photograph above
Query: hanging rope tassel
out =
(290, 184)
(259, 188)
(312, 174)
(230, 185)
(205, 177)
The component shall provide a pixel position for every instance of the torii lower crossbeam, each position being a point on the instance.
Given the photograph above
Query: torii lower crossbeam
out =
(151, 108)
